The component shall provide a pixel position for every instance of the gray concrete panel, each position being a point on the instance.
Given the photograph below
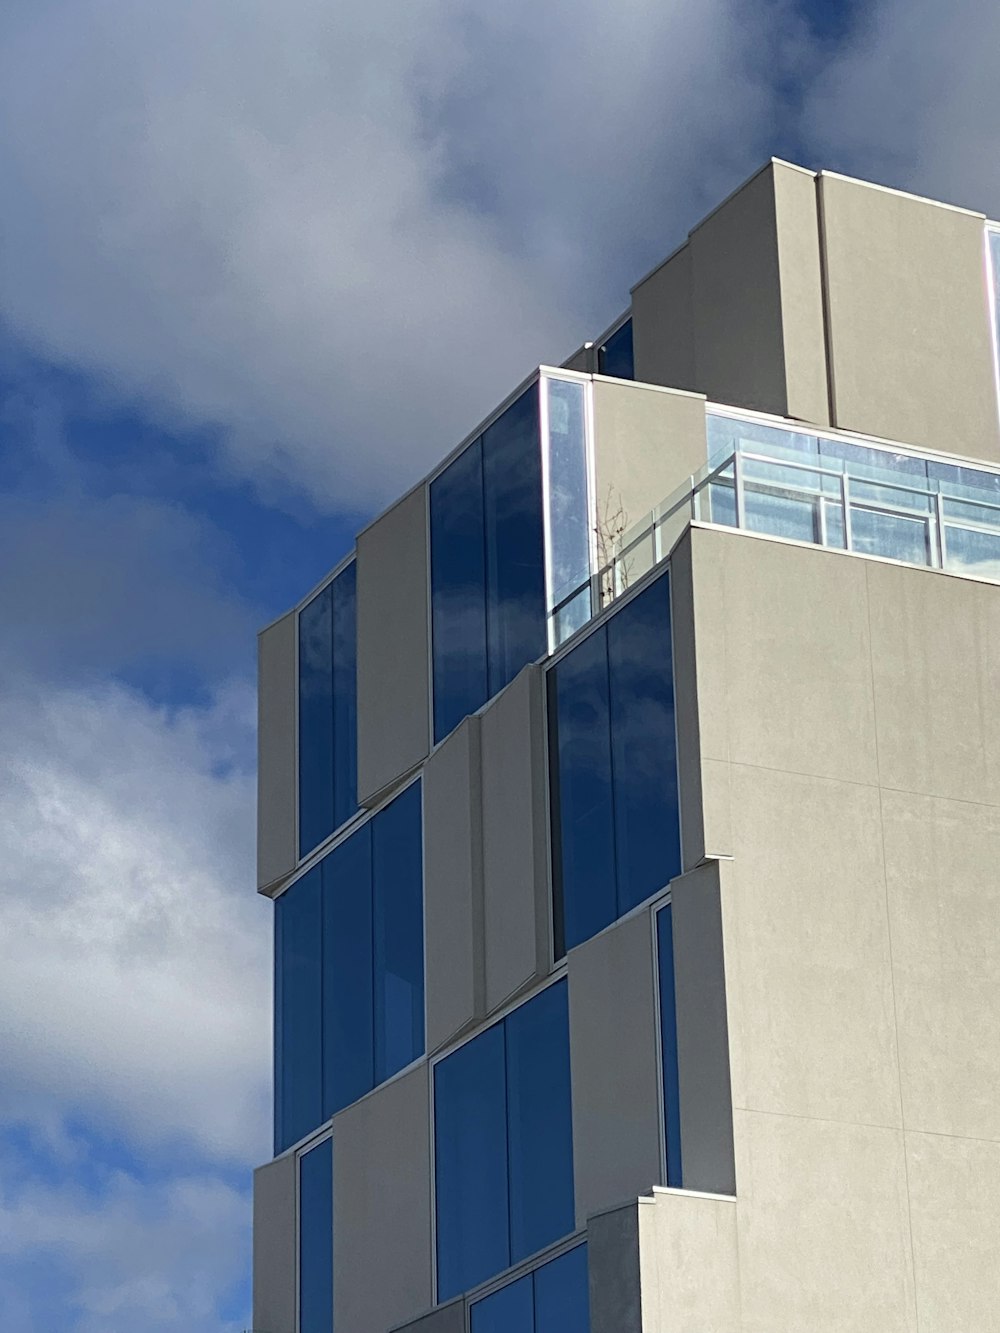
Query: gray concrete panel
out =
(803, 326)
(615, 1275)
(393, 659)
(515, 868)
(908, 325)
(584, 359)
(277, 832)
(689, 1253)
(703, 1031)
(382, 1206)
(663, 324)
(274, 1262)
(616, 1095)
(453, 885)
(445, 1319)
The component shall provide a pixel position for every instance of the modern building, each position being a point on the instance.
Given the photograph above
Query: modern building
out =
(630, 803)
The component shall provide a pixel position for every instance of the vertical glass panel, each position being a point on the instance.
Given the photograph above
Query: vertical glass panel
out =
(571, 617)
(509, 1310)
(668, 1044)
(470, 1154)
(647, 824)
(562, 1300)
(616, 357)
(316, 721)
(397, 861)
(973, 552)
(345, 696)
(316, 1239)
(874, 532)
(780, 515)
(568, 519)
(298, 1082)
(458, 590)
(993, 238)
(540, 1128)
(582, 812)
(722, 502)
(515, 555)
(347, 972)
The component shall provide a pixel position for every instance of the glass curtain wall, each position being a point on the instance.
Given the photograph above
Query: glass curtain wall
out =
(668, 1044)
(316, 1239)
(615, 357)
(553, 1298)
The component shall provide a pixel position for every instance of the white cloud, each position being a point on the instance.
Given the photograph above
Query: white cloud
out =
(344, 232)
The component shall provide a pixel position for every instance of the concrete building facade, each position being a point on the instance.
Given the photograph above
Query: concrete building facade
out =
(630, 802)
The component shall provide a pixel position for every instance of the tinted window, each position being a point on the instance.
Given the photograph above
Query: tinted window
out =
(316, 1239)
(503, 1144)
(668, 1044)
(613, 779)
(327, 711)
(509, 1310)
(569, 523)
(399, 934)
(615, 357)
(298, 1087)
(348, 1021)
(552, 1299)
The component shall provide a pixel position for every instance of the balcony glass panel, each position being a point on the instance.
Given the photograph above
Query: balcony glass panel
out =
(316, 1239)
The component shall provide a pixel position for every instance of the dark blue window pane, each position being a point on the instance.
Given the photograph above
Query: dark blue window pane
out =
(316, 1239)
(316, 721)
(615, 357)
(668, 1045)
(397, 861)
(647, 825)
(347, 973)
(298, 1083)
(509, 1310)
(470, 1141)
(515, 554)
(458, 590)
(562, 1299)
(540, 1122)
(345, 696)
(582, 810)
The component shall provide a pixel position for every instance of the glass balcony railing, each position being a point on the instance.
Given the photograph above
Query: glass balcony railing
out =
(830, 491)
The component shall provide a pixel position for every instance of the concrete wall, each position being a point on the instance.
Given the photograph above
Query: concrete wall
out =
(382, 1184)
(277, 833)
(274, 1260)
(393, 687)
(663, 324)
(446, 1319)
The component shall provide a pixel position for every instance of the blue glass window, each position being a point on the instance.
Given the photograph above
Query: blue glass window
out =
(615, 357)
(993, 238)
(552, 1299)
(569, 521)
(327, 711)
(668, 1044)
(613, 773)
(316, 1239)
(349, 977)
(503, 1134)
(487, 564)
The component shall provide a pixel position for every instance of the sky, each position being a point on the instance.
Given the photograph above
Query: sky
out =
(261, 266)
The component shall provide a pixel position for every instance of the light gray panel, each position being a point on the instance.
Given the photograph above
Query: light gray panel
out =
(277, 838)
(663, 324)
(453, 885)
(583, 359)
(382, 1207)
(612, 1020)
(706, 1098)
(274, 1267)
(515, 878)
(445, 1319)
(614, 1270)
(802, 320)
(393, 689)
(910, 343)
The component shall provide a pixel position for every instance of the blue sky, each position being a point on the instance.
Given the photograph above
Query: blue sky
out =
(260, 267)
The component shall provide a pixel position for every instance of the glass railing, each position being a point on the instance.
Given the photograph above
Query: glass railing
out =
(830, 491)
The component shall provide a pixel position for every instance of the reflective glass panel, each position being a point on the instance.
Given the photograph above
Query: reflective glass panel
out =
(509, 1310)
(668, 1044)
(562, 1299)
(973, 552)
(583, 842)
(345, 696)
(458, 590)
(397, 860)
(781, 515)
(298, 1079)
(348, 1035)
(515, 555)
(878, 533)
(644, 763)
(569, 508)
(470, 1156)
(316, 721)
(316, 1239)
(616, 357)
(540, 1122)
(994, 245)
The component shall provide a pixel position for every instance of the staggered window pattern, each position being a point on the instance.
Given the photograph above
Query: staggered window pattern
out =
(615, 357)
(487, 564)
(668, 1044)
(551, 1299)
(316, 1239)
(503, 1144)
(613, 769)
(328, 730)
(349, 971)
